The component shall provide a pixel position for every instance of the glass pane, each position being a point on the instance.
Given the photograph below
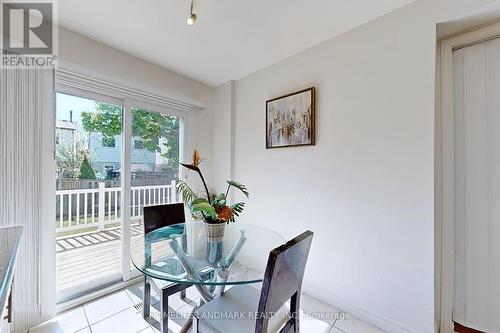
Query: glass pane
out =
(88, 166)
(154, 163)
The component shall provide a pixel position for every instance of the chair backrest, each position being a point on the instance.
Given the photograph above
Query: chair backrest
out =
(283, 278)
(161, 216)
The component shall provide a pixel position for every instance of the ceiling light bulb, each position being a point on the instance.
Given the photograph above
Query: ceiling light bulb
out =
(191, 19)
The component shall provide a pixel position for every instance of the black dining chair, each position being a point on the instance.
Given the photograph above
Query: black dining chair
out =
(156, 217)
(282, 282)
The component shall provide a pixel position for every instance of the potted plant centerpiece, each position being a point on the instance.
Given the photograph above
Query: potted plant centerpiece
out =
(211, 208)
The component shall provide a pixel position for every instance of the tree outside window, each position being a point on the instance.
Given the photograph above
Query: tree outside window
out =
(155, 132)
(108, 142)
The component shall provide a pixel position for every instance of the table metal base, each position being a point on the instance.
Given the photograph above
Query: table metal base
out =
(208, 293)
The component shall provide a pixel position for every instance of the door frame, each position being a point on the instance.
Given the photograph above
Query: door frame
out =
(445, 170)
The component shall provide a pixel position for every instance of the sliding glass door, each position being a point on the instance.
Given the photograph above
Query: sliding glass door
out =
(110, 154)
(153, 160)
(88, 219)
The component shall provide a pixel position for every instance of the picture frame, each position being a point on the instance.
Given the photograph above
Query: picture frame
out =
(290, 120)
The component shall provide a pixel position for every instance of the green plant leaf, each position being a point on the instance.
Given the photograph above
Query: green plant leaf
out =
(198, 201)
(238, 208)
(240, 187)
(205, 208)
(186, 192)
(221, 196)
(219, 201)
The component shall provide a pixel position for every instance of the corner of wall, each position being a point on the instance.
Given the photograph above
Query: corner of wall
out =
(223, 134)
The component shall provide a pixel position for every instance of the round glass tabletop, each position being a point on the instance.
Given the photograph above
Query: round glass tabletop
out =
(184, 253)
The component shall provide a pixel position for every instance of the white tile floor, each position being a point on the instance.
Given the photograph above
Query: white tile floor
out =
(120, 312)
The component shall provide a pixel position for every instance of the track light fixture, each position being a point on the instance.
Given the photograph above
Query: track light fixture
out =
(192, 18)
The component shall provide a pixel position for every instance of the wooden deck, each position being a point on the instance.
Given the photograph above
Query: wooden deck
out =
(89, 259)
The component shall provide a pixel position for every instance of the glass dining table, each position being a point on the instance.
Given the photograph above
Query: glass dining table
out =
(184, 253)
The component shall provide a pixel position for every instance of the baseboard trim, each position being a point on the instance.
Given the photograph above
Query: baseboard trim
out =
(385, 324)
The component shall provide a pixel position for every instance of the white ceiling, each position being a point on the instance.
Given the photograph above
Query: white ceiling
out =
(231, 38)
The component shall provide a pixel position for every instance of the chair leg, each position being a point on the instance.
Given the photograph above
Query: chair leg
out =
(295, 311)
(146, 299)
(182, 294)
(194, 327)
(164, 312)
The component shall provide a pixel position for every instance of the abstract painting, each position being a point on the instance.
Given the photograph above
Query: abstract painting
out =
(290, 120)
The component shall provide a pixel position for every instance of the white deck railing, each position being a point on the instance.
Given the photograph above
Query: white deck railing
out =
(79, 209)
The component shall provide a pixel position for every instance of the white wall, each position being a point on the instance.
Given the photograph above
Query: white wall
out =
(367, 188)
(223, 136)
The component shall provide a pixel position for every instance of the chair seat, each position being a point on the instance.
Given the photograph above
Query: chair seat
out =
(235, 311)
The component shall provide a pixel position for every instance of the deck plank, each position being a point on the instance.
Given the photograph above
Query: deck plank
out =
(87, 258)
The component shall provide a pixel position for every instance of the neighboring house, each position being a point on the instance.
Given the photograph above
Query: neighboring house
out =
(65, 132)
(106, 152)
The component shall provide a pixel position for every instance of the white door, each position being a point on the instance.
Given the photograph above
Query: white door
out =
(477, 181)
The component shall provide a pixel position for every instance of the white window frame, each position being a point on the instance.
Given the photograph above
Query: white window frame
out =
(72, 83)
(445, 171)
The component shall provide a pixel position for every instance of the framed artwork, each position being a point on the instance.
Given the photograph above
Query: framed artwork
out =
(290, 120)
